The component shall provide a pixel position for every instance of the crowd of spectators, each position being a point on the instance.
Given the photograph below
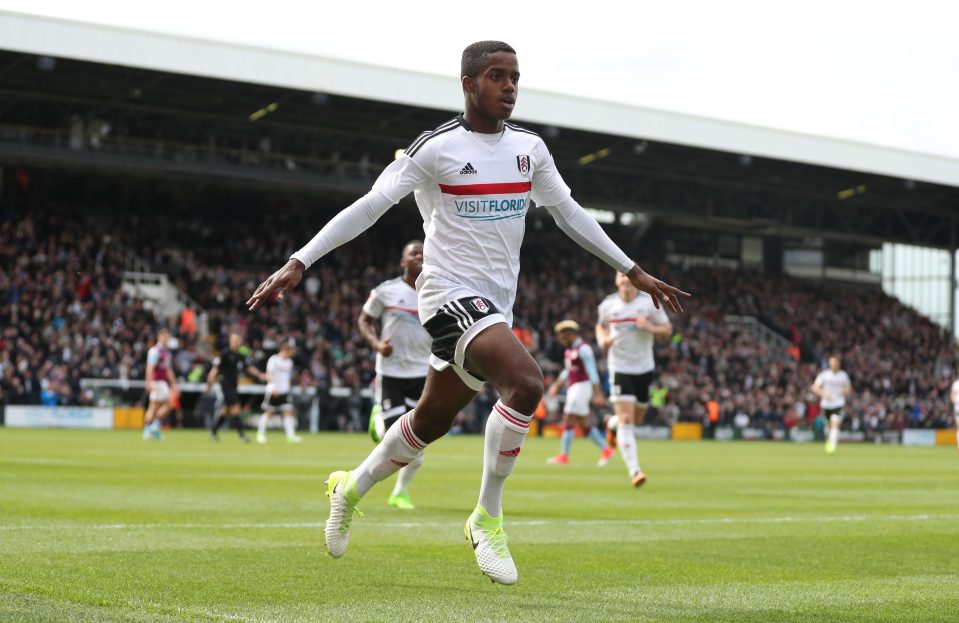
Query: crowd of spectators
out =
(65, 317)
(63, 313)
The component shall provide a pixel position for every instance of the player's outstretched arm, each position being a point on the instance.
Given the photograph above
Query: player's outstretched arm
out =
(658, 289)
(396, 181)
(345, 226)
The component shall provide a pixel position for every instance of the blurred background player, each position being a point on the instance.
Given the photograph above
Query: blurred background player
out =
(582, 378)
(279, 375)
(402, 356)
(832, 386)
(955, 407)
(628, 322)
(160, 385)
(228, 367)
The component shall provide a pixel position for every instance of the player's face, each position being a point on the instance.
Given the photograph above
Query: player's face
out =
(412, 260)
(495, 89)
(162, 338)
(235, 341)
(834, 364)
(566, 338)
(625, 287)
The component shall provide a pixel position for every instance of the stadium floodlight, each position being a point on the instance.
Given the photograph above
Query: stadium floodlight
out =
(259, 114)
(593, 157)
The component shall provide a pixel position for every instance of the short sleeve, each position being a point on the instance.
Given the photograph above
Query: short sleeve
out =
(406, 174)
(216, 362)
(549, 189)
(271, 364)
(659, 316)
(818, 381)
(374, 305)
(153, 357)
(603, 314)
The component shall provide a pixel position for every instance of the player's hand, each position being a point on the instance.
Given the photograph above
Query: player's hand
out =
(385, 347)
(553, 391)
(643, 323)
(149, 386)
(661, 291)
(608, 341)
(278, 284)
(599, 400)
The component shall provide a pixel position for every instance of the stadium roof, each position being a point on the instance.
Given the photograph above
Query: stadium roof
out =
(121, 46)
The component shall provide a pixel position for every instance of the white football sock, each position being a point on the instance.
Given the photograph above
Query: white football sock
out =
(505, 430)
(405, 477)
(399, 448)
(264, 419)
(626, 440)
(289, 425)
(834, 422)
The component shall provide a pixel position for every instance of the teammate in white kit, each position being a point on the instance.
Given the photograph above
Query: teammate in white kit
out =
(473, 178)
(402, 356)
(628, 322)
(279, 374)
(580, 373)
(160, 385)
(954, 394)
(833, 387)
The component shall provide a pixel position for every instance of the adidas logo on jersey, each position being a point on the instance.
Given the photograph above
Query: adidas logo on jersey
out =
(468, 169)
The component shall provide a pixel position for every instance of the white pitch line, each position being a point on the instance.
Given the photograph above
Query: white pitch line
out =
(536, 522)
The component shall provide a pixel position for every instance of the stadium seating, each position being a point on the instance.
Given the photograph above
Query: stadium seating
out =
(65, 318)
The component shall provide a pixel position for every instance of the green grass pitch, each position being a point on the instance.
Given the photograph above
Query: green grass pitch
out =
(99, 526)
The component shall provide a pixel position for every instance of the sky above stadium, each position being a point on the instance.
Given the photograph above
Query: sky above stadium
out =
(852, 70)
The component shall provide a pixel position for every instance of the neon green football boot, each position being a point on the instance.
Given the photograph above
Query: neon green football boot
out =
(486, 535)
(401, 501)
(376, 424)
(343, 501)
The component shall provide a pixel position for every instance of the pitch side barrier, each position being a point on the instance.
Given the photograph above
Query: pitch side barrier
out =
(121, 402)
(319, 408)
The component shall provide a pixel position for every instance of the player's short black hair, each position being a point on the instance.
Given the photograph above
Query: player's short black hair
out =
(474, 56)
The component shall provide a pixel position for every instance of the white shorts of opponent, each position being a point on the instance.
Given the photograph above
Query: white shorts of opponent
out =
(577, 398)
(160, 391)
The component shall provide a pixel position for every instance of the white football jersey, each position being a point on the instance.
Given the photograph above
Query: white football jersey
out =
(473, 197)
(632, 349)
(955, 391)
(834, 385)
(394, 303)
(280, 370)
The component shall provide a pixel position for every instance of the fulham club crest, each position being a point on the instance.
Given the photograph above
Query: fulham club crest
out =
(522, 163)
(480, 305)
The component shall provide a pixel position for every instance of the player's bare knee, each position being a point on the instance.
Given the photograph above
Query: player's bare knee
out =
(524, 391)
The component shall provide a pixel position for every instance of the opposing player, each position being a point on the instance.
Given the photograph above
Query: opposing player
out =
(628, 322)
(279, 376)
(402, 355)
(582, 377)
(228, 367)
(833, 387)
(955, 407)
(473, 178)
(160, 385)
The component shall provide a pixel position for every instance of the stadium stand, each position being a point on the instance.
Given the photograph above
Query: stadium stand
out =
(60, 282)
(110, 168)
